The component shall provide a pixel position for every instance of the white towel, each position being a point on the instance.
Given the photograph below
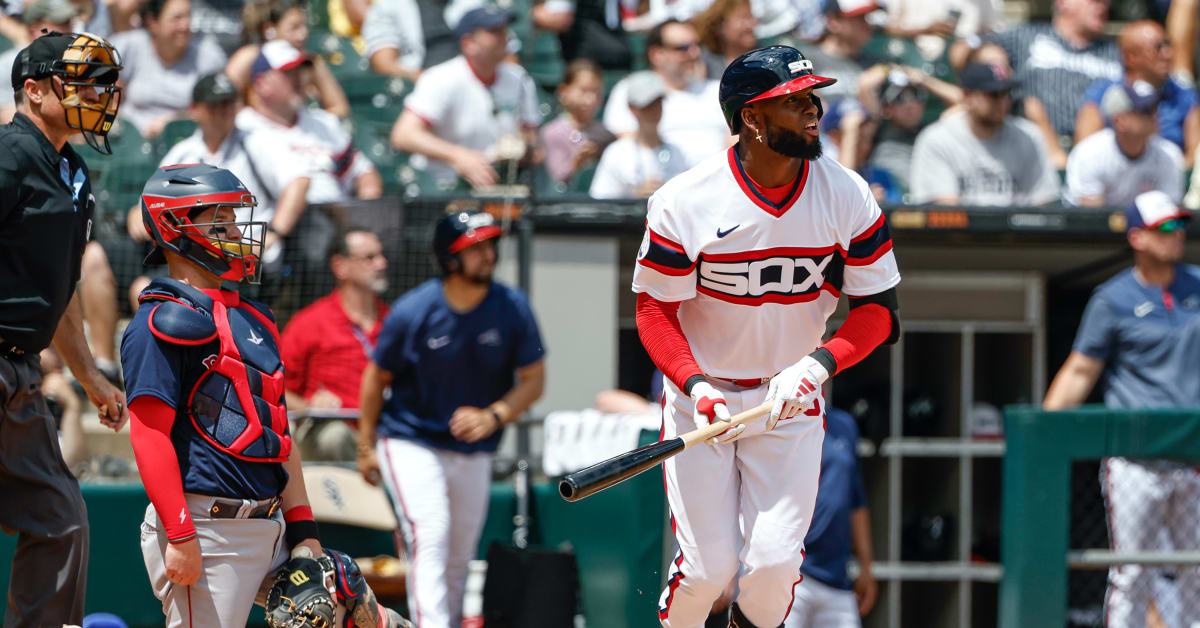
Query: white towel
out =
(576, 439)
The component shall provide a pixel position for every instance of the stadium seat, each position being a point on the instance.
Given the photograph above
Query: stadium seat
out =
(117, 179)
(174, 132)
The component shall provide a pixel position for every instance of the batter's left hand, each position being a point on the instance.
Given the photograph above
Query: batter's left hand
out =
(108, 399)
(796, 389)
(470, 424)
(865, 591)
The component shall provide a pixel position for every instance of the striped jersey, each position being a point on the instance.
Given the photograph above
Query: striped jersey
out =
(758, 280)
(1049, 67)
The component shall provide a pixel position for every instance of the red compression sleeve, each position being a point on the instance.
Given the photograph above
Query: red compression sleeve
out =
(866, 327)
(150, 432)
(658, 327)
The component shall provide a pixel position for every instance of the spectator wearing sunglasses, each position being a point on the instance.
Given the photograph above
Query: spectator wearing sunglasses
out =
(1112, 166)
(691, 114)
(1146, 56)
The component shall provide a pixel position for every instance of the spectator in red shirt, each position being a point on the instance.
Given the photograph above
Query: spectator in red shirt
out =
(325, 345)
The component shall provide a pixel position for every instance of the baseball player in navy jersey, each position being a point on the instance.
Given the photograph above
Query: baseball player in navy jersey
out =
(209, 423)
(462, 356)
(1141, 333)
(744, 259)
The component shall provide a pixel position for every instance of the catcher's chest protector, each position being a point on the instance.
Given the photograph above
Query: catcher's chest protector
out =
(237, 404)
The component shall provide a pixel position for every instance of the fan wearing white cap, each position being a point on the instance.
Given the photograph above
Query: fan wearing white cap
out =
(636, 165)
(288, 141)
(1141, 331)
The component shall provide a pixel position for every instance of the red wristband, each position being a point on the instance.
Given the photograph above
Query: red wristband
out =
(299, 513)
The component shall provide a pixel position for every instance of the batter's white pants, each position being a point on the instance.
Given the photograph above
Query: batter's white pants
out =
(441, 500)
(768, 481)
(818, 605)
(1151, 507)
(238, 555)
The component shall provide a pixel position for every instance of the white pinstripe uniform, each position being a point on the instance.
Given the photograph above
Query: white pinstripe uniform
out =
(757, 282)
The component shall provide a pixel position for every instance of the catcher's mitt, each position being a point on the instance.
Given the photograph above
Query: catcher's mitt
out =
(299, 599)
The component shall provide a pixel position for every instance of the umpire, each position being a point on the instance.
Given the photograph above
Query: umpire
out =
(65, 85)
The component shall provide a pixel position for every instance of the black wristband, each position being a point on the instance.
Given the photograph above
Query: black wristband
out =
(496, 415)
(692, 381)
(825, 359)
(301, 530)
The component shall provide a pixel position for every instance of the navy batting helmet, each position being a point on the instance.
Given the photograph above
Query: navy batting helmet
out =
(766, 73)
(459, 230)
(171, 199)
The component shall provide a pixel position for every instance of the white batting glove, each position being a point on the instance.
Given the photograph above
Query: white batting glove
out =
(796, 389)
(710, 406)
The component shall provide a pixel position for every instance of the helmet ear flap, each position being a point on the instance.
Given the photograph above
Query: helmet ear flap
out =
(817, 101)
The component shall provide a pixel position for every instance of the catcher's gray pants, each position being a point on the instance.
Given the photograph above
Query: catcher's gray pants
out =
(41, 502)
(238, 555)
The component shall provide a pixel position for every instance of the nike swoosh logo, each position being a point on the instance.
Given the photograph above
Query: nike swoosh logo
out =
(722, 234)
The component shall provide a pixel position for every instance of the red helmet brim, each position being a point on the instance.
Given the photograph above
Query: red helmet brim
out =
(797, 84)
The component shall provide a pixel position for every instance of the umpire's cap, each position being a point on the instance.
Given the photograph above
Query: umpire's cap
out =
(765, 73)
(459, 230)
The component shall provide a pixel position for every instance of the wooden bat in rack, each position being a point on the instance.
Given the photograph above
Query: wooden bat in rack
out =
(588, 481)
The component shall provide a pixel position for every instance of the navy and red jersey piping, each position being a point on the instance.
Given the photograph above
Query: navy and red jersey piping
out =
(871, 244)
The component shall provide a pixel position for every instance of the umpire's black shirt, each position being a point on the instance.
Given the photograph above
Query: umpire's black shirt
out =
(46, 206)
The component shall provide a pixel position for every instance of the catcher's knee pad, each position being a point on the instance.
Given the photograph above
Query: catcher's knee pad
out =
(738, 620)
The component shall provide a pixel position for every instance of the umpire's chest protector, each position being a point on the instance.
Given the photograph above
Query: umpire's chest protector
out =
(236, 403)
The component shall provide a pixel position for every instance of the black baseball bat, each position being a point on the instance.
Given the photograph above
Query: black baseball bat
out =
(591, 480)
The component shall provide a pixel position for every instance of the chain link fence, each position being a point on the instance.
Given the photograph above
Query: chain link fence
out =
(1135, 539)
(302, 274)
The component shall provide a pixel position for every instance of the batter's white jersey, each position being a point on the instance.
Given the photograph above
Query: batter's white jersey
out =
(758, 281)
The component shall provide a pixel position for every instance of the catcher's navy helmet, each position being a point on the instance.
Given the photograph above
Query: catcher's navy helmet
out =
(766, 73)
(459, 230)
(172, 197)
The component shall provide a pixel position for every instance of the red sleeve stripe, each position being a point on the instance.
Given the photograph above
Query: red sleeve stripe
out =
(873, 243)
(427, 121)
(664, 242)
(879, 222)
(867, 261)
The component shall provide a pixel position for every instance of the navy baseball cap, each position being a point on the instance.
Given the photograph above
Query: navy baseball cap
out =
(1151, 209)
(482, 17)
(987, 78)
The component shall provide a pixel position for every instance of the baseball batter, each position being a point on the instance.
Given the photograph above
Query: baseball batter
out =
(743, 261)
(210, 429)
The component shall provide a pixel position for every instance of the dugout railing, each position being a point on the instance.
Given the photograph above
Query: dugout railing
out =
(1041, 448)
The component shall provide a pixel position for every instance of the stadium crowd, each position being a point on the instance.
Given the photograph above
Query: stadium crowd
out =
(936, 102)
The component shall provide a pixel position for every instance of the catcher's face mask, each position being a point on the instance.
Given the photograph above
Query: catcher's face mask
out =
(86, 84)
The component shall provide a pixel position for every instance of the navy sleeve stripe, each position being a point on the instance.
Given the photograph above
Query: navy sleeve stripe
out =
(666, 257)
(869, 246)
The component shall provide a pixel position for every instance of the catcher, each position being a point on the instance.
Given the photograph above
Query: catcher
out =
(209, 424)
